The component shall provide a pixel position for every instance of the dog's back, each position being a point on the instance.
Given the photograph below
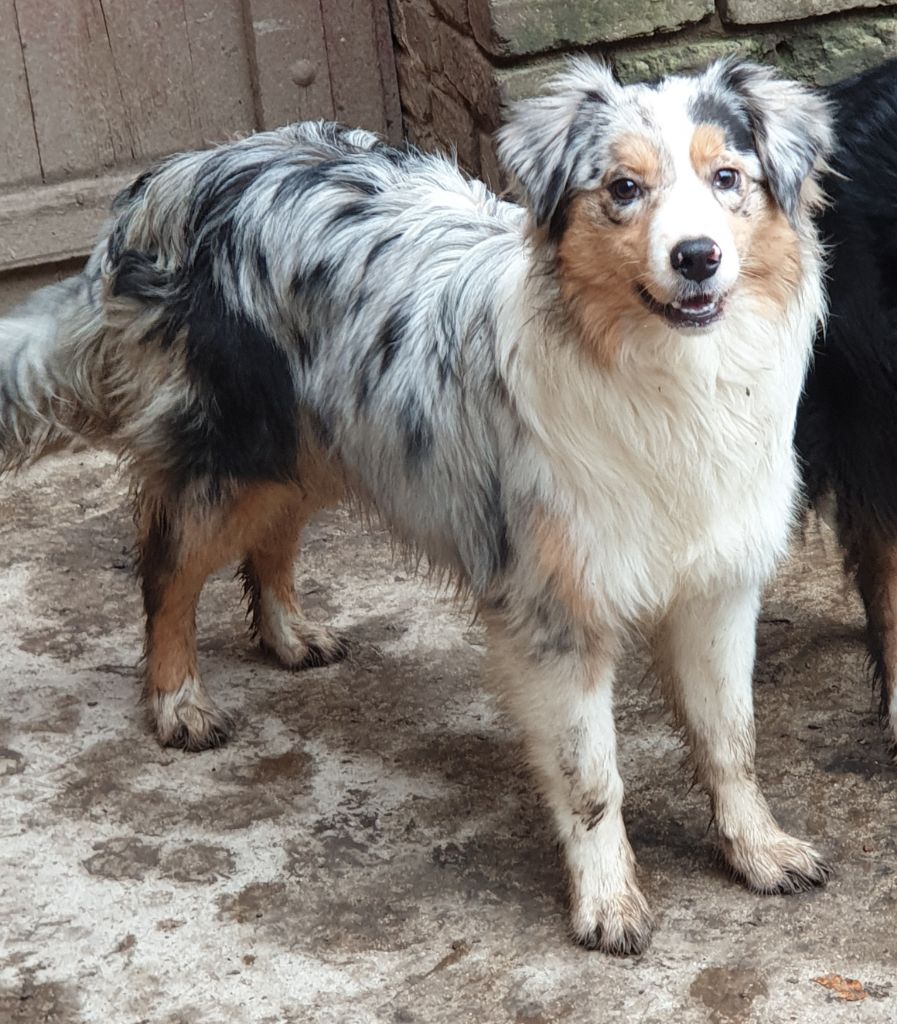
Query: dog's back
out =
(847, 424)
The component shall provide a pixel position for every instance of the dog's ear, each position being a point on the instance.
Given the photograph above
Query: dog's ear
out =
(540, 141)
(792, 129)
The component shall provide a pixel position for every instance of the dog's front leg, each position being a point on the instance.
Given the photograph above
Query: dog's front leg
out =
(564, 701)
(706, 654)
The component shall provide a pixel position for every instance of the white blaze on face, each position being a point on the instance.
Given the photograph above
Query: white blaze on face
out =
(688, 207)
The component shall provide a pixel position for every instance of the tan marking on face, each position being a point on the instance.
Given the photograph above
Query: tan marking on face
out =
(769, 250)
(599, 265)
(640, 157)
(767, 245)
(708, 144)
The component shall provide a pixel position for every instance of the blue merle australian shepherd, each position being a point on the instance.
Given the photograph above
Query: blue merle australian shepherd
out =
(581, 408)
(847, 424)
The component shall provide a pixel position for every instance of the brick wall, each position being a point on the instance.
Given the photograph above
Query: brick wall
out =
(459, 60)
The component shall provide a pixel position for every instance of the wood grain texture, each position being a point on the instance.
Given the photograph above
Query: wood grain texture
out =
(222, 82)
(280, 32)
(353, 56)
(92, 89)
(79, 117)
(19, 157)
(389, 79)
(55, 222)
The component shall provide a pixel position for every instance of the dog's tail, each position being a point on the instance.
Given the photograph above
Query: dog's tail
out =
(50, 370)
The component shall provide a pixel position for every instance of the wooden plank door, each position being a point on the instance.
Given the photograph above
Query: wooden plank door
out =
(93, 90)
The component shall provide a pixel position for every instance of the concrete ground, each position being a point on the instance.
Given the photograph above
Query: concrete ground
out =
(368, 848)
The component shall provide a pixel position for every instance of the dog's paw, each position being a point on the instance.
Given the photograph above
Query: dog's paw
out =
(619, 925)
(780, 865)
(302, 644)
(188, 718)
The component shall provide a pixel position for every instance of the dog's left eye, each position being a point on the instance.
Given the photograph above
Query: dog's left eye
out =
(624, 190)
(726, 179)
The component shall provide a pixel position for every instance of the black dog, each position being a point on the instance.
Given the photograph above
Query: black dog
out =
(847, 422)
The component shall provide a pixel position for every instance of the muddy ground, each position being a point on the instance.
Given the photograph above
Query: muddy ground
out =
(368, 848)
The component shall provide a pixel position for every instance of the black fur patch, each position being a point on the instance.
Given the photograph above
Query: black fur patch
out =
(554, 206)
(242, 423)
(380, 355)
(136, 276)
(418, 434)
(706, 108)
(349, 213)
(315, 282)
(502, 552)
(389, 339)
(156, 561)
(378, 249)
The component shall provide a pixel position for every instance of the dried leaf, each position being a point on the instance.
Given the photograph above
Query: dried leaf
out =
(848, 989)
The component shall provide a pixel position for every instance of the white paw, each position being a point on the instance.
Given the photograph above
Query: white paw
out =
(297, 643)
(188, 718)
(776, 863)
(619, 924)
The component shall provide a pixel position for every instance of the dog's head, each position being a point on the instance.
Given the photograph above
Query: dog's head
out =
(667, 200)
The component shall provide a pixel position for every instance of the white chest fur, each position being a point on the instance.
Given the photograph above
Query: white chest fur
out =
(673, 468)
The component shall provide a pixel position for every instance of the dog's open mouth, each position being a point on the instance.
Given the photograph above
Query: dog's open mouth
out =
(696, 311)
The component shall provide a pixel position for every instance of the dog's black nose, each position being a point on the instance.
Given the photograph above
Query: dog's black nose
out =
(696, 258)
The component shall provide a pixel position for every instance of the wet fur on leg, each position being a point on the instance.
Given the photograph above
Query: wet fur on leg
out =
(188, 718)
(783, 867)
(285, 633)
(622, 928)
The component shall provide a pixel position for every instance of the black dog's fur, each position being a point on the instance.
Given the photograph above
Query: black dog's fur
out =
(847, 422)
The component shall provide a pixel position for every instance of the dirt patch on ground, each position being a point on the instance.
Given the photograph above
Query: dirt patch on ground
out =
(369, 847)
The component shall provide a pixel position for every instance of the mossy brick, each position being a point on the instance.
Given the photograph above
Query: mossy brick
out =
(414, 86)
(468, 71)
(522, 27)
(415, 29)
(825, 51)
(816, 52)
(454, 128)
(759, 12)
(454, 11)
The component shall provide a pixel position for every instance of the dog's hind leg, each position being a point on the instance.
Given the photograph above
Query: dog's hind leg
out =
(180, 545)
(268, 580)
(706, 655)
(874, 562)
(176, 556)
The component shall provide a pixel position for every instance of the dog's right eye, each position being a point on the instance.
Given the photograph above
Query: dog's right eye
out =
(624, 190)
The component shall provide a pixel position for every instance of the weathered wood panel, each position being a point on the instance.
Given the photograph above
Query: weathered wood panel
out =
(79, 117)
(113, 81)
(19, 159)
(353, 57)
(221, 70)
(177, 90)
(92, 90)
(55, 222)
(283, 33)
(389, 78)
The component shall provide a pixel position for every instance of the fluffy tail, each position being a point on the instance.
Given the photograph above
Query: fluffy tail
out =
(50, 362)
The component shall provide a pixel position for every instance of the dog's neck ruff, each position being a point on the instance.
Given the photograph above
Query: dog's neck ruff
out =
(674, 463)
